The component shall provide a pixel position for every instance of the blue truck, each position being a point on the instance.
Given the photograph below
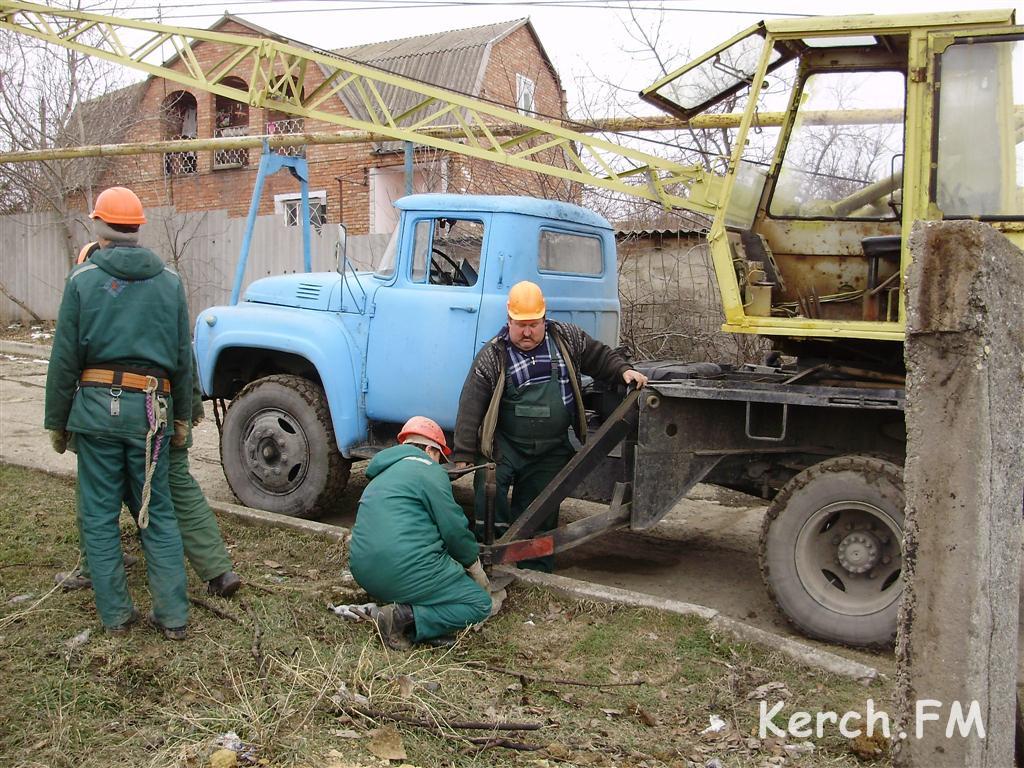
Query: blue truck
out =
(322, 368)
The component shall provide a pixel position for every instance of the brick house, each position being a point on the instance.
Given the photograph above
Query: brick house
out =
(356, 183)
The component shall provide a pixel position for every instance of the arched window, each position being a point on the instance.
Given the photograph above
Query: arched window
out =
(179, 116)
(230, 118)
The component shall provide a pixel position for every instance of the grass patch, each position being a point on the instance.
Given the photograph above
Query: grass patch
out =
(289, 678)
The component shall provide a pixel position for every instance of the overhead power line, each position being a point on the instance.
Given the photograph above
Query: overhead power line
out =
(348, 6)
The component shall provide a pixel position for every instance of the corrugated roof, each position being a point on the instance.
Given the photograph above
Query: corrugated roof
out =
(455, 60)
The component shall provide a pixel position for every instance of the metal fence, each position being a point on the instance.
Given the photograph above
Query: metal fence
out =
(203, 247)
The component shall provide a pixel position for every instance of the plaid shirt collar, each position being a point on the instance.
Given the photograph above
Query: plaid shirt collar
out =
(534, 367)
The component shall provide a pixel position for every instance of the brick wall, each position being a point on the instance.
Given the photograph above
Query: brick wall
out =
(230, 189)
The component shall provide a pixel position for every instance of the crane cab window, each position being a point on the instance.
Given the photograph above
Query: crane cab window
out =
(979, 148)
(844, 156)
(447, 251)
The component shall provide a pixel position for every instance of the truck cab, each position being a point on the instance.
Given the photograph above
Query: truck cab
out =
(323, 368)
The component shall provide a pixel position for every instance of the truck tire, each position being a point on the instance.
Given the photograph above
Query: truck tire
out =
(831, 550)
(278, 448)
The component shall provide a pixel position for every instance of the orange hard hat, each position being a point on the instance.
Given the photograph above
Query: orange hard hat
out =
(420, 430)
(525, 301)
(118, 205)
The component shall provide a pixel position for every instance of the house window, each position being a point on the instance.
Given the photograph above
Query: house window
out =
(231, 118)
(290, 206)
(179, 119)
(524, 94)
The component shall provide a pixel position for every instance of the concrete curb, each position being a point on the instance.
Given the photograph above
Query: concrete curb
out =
(794, 649)
(257, 517)
(24, 349)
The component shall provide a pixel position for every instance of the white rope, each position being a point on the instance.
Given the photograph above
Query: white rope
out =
(156, 411)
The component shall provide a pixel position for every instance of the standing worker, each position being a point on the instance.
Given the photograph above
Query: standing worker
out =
(521, 396)
(412, 546)
(200, 535)
(120, 367)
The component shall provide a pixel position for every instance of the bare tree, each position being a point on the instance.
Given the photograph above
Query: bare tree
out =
(54, 97)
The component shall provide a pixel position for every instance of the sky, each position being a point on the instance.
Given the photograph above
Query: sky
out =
(587, 40)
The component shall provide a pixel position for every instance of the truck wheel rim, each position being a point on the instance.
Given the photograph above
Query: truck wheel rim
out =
(275, 451)
(849, 558)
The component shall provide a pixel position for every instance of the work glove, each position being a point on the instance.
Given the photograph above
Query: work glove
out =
(180, 433)
(59, 440)
(355, 612)
(476, 573)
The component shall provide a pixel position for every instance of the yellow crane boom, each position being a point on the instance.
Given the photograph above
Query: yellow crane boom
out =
(281, 77)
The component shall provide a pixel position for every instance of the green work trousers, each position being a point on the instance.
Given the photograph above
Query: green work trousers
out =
(527, 475)
(458, 605)
(200, 535)
(532, 444)
(109, 469)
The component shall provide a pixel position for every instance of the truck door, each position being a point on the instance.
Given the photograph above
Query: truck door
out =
(424, 324)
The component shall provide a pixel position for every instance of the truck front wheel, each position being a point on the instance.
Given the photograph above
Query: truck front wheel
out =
(831, 550)
(278, 448)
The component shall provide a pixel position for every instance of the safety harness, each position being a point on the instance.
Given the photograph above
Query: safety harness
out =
(156, 388)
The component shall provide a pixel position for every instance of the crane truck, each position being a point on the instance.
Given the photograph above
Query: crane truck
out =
(887, 120)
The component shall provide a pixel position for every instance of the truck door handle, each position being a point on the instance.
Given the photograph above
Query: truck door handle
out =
(471, 309)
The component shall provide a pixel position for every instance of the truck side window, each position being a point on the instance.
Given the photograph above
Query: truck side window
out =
(979, 154)
(844, 155)
(447, 251)
(570, 253)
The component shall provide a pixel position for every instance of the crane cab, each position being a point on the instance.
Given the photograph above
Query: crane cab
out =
(885, 120)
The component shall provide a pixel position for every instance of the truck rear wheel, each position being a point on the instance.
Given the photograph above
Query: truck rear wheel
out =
(831, 550)
(278, 448)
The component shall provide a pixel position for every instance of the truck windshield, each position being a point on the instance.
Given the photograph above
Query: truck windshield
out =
(386, 265)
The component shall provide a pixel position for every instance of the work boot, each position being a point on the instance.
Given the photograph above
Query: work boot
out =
(171, 633)
(72, 580)
(395, 623)
(224, 585)
(122, 628)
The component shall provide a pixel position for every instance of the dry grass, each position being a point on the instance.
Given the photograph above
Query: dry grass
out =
(296, 684)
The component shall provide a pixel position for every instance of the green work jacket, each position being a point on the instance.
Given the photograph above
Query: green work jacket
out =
(125, 308)
(410, 535)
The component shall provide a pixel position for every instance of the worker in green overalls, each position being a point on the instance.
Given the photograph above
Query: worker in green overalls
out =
(200, 535)
(120, 380)
(521, 397)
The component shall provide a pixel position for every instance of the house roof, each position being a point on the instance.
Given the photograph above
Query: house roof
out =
(455, 60)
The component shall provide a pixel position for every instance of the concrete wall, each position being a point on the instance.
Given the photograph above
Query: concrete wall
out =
(203, 247)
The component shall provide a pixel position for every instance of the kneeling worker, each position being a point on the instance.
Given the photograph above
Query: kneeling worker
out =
(411, 543)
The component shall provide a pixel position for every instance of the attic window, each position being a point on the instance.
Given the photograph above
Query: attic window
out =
(524, 95)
